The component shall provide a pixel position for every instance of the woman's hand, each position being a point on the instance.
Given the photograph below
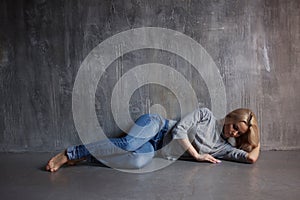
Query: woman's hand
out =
(207, 157)
(192, 151)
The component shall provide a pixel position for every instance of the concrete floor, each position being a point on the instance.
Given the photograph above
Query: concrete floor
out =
(275, 176)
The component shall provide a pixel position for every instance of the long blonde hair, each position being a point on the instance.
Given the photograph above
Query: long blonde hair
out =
(250, 139)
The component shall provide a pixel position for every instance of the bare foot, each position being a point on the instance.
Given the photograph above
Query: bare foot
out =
(56, 162)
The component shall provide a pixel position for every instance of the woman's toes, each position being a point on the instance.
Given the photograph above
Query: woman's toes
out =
(49, 167)
(56, 162)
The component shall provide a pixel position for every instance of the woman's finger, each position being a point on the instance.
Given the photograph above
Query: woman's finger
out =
(209, 159)
(212, 159)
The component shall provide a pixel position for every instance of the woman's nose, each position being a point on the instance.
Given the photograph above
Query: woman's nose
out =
(234, 133)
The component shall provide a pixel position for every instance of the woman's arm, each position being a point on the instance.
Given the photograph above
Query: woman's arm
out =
(253, 155)
(181, 130)
(186, 144)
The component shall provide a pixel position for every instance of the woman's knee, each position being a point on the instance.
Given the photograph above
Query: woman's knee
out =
(130, 160)
(144, 120)
(143, 155)
(145, 128)
(141, 160)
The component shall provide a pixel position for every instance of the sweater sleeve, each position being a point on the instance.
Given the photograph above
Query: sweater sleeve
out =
(189, 121)
(233, 154)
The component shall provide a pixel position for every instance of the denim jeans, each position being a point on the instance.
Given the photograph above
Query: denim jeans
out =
(135, 150)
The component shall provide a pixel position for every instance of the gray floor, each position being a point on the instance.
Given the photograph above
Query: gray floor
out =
(275, 176)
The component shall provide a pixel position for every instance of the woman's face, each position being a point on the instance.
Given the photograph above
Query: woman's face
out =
(235, 130)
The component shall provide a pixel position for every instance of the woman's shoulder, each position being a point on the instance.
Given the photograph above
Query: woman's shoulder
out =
(204, 109)
(204, 113)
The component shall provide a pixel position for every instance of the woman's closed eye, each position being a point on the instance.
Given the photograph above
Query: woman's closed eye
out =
(235, 127)
(240, 128)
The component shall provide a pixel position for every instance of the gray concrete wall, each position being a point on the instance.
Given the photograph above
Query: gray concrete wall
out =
(255, 45)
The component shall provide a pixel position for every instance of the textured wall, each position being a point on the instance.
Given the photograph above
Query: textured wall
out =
(255, 45)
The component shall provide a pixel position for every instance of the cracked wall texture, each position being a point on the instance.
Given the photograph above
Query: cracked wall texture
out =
(255, 45)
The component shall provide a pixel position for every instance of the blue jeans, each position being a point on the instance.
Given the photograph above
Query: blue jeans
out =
(135, 150)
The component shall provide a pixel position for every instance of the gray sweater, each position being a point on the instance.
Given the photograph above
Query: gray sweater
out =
(205, 133)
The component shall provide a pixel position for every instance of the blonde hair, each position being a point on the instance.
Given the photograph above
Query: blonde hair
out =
(250, 139)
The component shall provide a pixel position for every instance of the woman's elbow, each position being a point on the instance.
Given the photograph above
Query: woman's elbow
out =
(251, 159)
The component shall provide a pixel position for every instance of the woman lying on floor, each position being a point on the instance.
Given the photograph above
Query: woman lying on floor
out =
(198, 135)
